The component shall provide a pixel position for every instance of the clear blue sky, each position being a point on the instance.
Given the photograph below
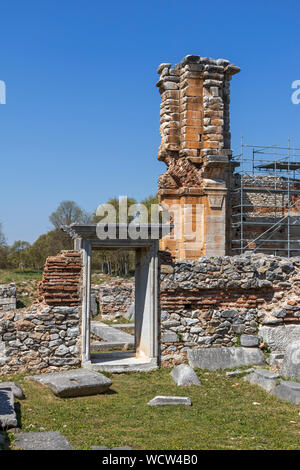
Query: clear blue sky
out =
(82, 115)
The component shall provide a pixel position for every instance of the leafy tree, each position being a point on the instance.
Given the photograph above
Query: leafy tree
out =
(48, 244)
(68, 212)
(2, 237)
(3, 250)
(18, 254)
(115, 203)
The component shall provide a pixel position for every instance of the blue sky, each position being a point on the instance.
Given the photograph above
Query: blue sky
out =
(81, 120)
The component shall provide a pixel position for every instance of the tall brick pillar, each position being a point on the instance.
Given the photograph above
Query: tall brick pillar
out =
(195, 145)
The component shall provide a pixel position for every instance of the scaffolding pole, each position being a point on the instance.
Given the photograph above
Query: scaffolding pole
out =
(281, 183)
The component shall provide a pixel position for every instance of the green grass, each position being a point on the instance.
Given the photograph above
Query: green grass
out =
(16, 275)
(223, 416)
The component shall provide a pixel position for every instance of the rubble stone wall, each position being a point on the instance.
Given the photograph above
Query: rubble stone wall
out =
(41, 339)
(7, 296)
(46, 336)
(114, 296)
(211, 301)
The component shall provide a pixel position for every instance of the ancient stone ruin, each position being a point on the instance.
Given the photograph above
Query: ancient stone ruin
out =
(224, 293)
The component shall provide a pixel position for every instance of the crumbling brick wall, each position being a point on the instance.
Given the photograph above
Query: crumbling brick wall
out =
(61, 279)
(211, 301)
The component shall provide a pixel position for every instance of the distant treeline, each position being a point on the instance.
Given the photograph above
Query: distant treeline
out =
(23, 255)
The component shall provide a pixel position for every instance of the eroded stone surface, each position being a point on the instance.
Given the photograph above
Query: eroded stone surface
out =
(288, 391)
(249, 341)
(164, 401)
(184, 375)
(8, 418)
(233, 373)
(74, 383)
(264, 378)
(17, 391)
(280, 336)
(52, 440)
(225, 358)
(290, 367)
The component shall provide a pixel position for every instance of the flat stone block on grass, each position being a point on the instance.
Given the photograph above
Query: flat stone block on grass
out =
(164, 401)
(184, 375)
(233, 373)
(17, 391)
(264, 378)
(52, 440)
(288, 391)
(74, 383)
(8, 418)
(225, 358)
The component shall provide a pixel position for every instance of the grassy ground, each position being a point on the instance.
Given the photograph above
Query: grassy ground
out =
(26, 284)
(227, 413)
(17, 276)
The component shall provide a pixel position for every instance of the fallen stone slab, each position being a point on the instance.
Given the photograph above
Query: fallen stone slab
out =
(110, 334)
(225, 358)
(114, 448)
(8, 417)
(48, 440)
(101, 346)
(17, 391)
(164, 401)
(288, 391)
(264, 378)
(74, 383)
(290, 368)
(233, 373)
(184, 375)
(249, 341)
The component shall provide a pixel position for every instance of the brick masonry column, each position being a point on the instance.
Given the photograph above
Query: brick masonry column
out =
(195, 145)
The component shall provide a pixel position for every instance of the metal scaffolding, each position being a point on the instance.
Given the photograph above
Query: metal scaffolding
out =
(265, 200)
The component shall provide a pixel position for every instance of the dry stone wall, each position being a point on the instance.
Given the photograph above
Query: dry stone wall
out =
(210, 302)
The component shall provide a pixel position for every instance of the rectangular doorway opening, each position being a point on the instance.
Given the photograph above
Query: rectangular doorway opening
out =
(120, 307)
(112, 311)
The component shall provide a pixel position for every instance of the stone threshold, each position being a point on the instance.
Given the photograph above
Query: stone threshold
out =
(120, 362)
